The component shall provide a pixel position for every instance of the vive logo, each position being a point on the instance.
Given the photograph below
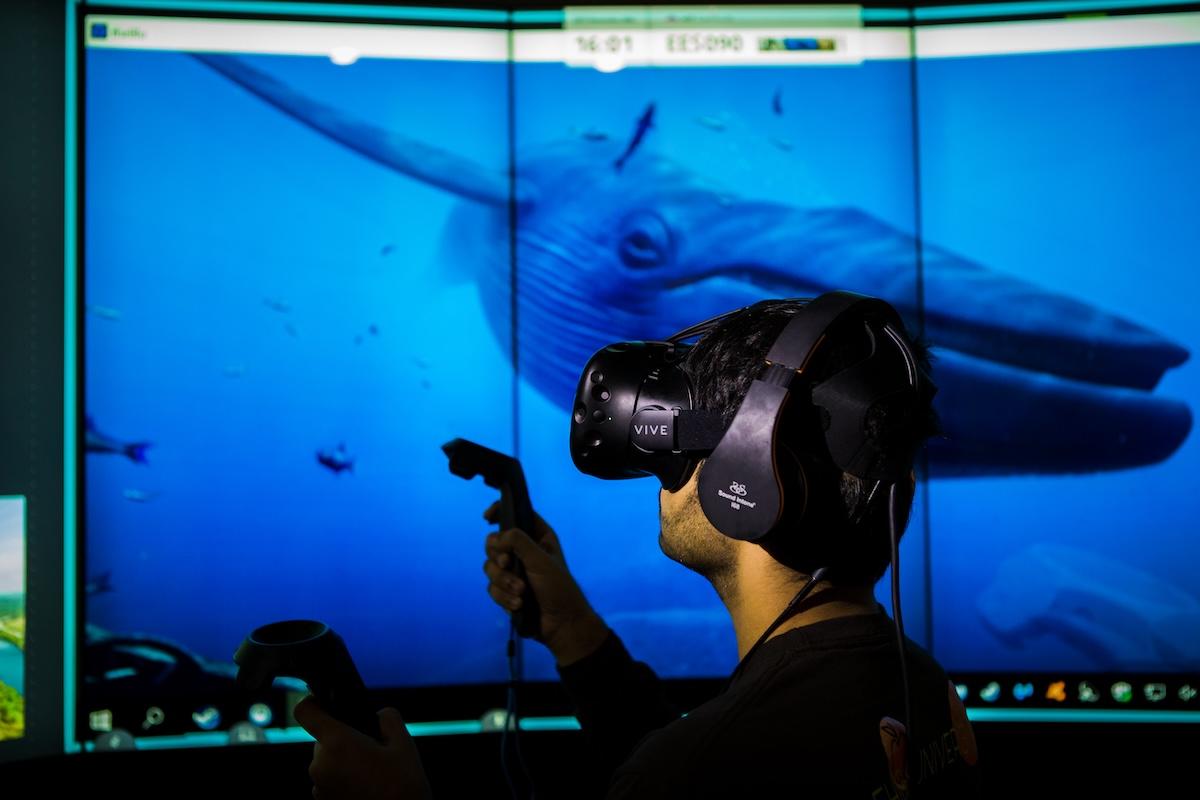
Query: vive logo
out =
(738, 489)
(652, 430)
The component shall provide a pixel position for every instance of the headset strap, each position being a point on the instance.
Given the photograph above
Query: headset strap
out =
(698, 431)
(701, 328)
(799, 340)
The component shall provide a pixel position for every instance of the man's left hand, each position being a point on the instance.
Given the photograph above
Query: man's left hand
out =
(349, 765)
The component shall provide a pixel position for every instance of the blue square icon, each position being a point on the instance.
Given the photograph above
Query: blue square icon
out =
(99, 30)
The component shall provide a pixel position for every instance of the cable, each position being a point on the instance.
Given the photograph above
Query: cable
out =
(510, 709)
(519, 670)
(792, 608)
(899, 620)
(512, 722)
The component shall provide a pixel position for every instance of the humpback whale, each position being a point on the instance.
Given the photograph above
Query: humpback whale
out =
(1031, 380)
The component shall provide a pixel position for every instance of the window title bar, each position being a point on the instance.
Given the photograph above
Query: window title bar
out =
(665, 17)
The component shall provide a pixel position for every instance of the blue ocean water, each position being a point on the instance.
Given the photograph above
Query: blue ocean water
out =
(1078, 172)
(236, 261)
(248, 259)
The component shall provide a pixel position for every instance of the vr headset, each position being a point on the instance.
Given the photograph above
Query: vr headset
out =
(635, 414)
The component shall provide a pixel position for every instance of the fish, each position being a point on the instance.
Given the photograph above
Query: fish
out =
(278, 304)
(644, 124)
(712, 123)
(97, 442)
(387, 249)
(337, 460)
(139, 496)
(373, 329)
(1116, 615)
(777, 103)
(104, 312)
(100, 584)
(291, 330)
(592, 133)
(781, 143)
(1031, 380)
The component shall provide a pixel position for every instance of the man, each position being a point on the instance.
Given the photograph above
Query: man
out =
(818, 708)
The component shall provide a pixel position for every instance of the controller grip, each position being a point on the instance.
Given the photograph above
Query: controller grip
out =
(503, 472)
(528, 617)
(350, 704)
(311, 651)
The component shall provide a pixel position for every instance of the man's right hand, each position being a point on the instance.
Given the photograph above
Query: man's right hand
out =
(569, 626)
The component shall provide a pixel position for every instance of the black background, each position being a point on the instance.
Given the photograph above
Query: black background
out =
(1046, 761)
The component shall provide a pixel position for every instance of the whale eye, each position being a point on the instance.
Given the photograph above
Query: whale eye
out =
(645, 241)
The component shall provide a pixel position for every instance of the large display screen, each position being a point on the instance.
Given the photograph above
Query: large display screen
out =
(313, 252)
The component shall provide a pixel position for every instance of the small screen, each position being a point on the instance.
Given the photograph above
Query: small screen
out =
(12, 617)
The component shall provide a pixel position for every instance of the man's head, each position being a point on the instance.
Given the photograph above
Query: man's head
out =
(845, 527)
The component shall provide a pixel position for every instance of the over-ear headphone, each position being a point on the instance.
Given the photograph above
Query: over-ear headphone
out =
(635, 414)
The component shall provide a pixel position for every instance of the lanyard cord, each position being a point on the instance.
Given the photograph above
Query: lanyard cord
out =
(792, 609)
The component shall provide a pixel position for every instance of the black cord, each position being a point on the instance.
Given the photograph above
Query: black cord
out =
(792, 608)
(518, 671)
(510, 708)
(512, 722)
(899, 620)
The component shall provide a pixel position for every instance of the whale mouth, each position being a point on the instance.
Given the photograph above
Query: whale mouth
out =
(1051, 385)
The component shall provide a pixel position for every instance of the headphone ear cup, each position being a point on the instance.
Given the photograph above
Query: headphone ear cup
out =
(795, 496)
(807, 536)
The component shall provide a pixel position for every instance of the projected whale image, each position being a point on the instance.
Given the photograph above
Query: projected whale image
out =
(325, 271)
(1050, 590)
(652, 247)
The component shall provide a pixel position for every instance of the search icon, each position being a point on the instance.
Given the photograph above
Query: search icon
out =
(154, 716)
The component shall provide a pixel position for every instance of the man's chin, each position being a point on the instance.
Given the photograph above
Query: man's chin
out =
(664, 547)
(664, 544)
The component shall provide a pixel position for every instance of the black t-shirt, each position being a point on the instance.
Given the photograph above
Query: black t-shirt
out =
(813, 713)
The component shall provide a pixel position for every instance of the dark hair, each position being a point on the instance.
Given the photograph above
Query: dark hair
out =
(845, 528)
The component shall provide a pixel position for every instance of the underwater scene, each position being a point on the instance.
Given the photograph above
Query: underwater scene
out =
(276, 348)
(1075, 173)
(299, 282)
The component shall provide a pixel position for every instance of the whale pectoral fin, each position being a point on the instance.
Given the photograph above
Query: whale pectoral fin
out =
(426, 163)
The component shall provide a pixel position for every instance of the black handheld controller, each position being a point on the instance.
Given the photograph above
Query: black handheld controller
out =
(312, 652)
(468, 459)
